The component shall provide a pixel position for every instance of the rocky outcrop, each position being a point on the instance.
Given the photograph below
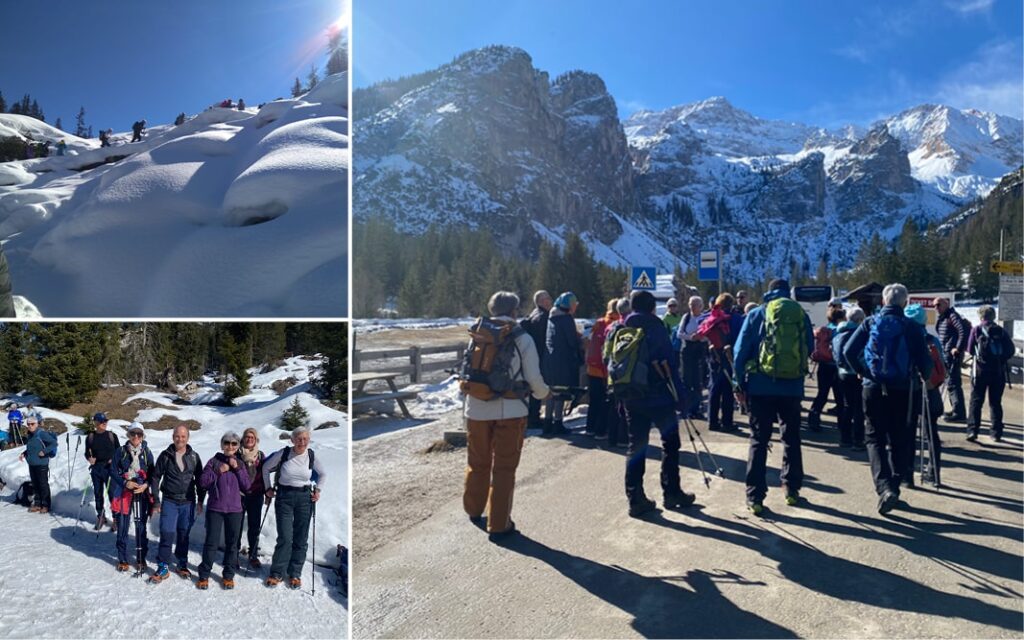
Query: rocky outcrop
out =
(796, 193)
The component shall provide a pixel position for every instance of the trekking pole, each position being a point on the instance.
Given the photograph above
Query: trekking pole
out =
(922, 422)
(137, 517)
(74, 458)
(696, 454)
(85, 494)
(313, 567)
(259, 533)
(718, 470)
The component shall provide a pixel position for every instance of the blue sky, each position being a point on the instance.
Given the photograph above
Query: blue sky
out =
(133, 59)
(820, 62)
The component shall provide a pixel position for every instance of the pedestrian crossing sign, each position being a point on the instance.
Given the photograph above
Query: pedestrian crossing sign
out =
(643, 278)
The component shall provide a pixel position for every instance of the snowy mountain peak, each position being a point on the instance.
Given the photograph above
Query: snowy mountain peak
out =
(490, 59)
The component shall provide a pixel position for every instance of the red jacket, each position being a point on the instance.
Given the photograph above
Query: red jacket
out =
(598, 334)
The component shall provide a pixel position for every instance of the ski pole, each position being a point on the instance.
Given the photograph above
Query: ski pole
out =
(259, 533)
(696, 454)
(137, 516)
(313, 567)
(75, 460)
(718, 470)
(85, 494)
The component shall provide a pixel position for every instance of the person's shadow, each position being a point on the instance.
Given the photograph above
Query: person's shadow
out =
(685, 606)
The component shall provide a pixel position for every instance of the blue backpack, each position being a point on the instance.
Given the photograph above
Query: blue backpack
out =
(886, 355)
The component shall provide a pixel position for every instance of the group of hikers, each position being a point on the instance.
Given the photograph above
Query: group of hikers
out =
(235, 485)
(226, 103)
(107, 135)
(884, 370)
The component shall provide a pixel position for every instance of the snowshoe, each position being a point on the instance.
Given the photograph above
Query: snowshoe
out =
(161, 574)
(203, 584)
(122, 566)
(272, 581)
(228, 583)
(294, 583)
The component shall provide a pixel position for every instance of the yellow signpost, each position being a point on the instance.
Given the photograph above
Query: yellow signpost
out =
(1006, 268)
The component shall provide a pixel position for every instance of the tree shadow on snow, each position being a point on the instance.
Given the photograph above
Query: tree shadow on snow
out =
(89, 543)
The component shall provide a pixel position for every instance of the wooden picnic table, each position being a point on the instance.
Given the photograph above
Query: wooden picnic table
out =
(360, 396)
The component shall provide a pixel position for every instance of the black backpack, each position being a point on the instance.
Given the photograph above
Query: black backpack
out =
(991, 349)
(24, 494)
(287, 451)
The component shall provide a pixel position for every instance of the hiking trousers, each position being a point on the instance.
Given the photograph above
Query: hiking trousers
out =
(695, 357)
(639, 422)
(252, 506)
(720, 400)
(828, 380)
(231, 525)
(763, 411)
(955, 385)
(993, 383)
(598, 413)
(887, 423)
(492, 456)
(100, 474)
(40, 477)
(851, 416)
(126, 523)
(176, 520)
(293, 508)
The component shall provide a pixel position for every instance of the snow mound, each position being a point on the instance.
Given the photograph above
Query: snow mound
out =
(255, 199)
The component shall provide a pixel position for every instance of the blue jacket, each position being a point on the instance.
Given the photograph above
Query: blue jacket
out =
(120, 463)
(561, 366)
(659, 349)
(839, 339)
(748, 345)
(41, 441)
(917, 348)
(15, 416)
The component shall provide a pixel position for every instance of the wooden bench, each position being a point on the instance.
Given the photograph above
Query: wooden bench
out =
(362, 397)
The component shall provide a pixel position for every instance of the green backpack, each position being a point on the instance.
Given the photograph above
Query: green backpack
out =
(783, 351)
(628, 363)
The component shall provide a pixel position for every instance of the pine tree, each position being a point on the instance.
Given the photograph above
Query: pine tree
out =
(294, 416)
(268, 342)
(36, 112)
(338, 46)
(180, 120)
(313, 78)
(25, 107)
(80, 129)
(3, 103)
(582, 277)
(296, 89)
(333, 378)
(62, 363)
(58, 124)
(235, 355)
(12, 354)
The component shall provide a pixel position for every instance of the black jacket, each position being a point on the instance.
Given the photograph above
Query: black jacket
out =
(953, 331)
(536, 325)
(177, 485)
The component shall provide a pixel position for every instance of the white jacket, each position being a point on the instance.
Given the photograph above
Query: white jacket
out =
(528, 368)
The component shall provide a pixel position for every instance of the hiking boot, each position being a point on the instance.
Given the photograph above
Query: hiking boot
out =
(100, 521)
(479, 522)
(814, 421)
(887, 501)
(228, 583)
(997, 437)
(113, 525)
(971, 437)
(792, 498)
(254, 563)
(122, 566)
(952, 417)
(908, 482)
(678, 499)
(756, 506)
(498, 536)
(33, 509)
(832, 411)
(558, 428)
(44, 510)
(546, 428)
(272, 581)
(161, 573)
(714, 427)
(600, 436)
(641, 506)
(203, 583)
(294, 583)
(184, 573)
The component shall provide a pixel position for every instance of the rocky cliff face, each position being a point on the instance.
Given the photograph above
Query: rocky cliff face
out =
(488, 140)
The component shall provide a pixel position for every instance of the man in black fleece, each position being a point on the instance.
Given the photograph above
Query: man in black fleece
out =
(99, 451)
(176, 474)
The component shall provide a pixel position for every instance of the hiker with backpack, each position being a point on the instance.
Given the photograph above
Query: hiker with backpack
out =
(252, 499)
(828, 372)
(501, 367)
(601, 411)
(851, 420)
(953, 331)
(643, 375)
(105, 137)
(176, 474)
(771, 365)
(14, 421)
(694, 356)
(225, 478)
(294, 493)
(100, 446)
(536, 325)
(933, 394)
(618, 429)
(992, 347)
(130, 497)
(564, 359)
(720, 328)
(40, 446)
(137, 129)
(889, 351)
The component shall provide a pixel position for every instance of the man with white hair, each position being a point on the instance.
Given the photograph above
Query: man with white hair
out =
(296, 487)
(889, 352)
(536, 325)
(953, 331)
(694, 356)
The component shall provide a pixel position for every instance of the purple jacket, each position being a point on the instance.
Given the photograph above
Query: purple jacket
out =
(224, 490)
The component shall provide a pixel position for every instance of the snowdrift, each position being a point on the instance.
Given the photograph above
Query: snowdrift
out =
(233, 213)
(261, 409)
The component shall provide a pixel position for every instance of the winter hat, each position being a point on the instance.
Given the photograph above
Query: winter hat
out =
(137, 426)
(99, 417)
(566, 300)
(917, 313)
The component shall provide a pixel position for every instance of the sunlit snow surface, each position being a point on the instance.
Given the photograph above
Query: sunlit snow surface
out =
(234, 213)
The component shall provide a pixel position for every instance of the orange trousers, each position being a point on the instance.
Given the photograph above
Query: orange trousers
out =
(493, 455)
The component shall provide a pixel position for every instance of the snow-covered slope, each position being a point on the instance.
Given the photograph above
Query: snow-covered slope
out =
(261, 409)
(230, 214)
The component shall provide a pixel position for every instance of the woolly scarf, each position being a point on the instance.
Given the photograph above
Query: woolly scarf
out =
(136, 463)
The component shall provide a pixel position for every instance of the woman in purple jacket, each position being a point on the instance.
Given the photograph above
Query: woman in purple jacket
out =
(225, 478)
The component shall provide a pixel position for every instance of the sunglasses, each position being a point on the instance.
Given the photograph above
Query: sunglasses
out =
(135, 434)
(230, 444)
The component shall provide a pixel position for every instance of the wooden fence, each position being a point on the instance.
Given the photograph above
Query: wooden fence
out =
(412, 360)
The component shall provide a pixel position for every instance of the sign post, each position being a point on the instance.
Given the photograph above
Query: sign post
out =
(708, 268)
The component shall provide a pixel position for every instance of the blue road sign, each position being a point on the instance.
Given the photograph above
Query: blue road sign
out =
(708, 265)
(644, 278)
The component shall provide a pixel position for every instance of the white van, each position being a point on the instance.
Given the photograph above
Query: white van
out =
(814, 299)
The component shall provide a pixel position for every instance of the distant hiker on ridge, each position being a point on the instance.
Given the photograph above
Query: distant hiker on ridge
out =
(241, 104)
(105, 137)
(137, 130)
